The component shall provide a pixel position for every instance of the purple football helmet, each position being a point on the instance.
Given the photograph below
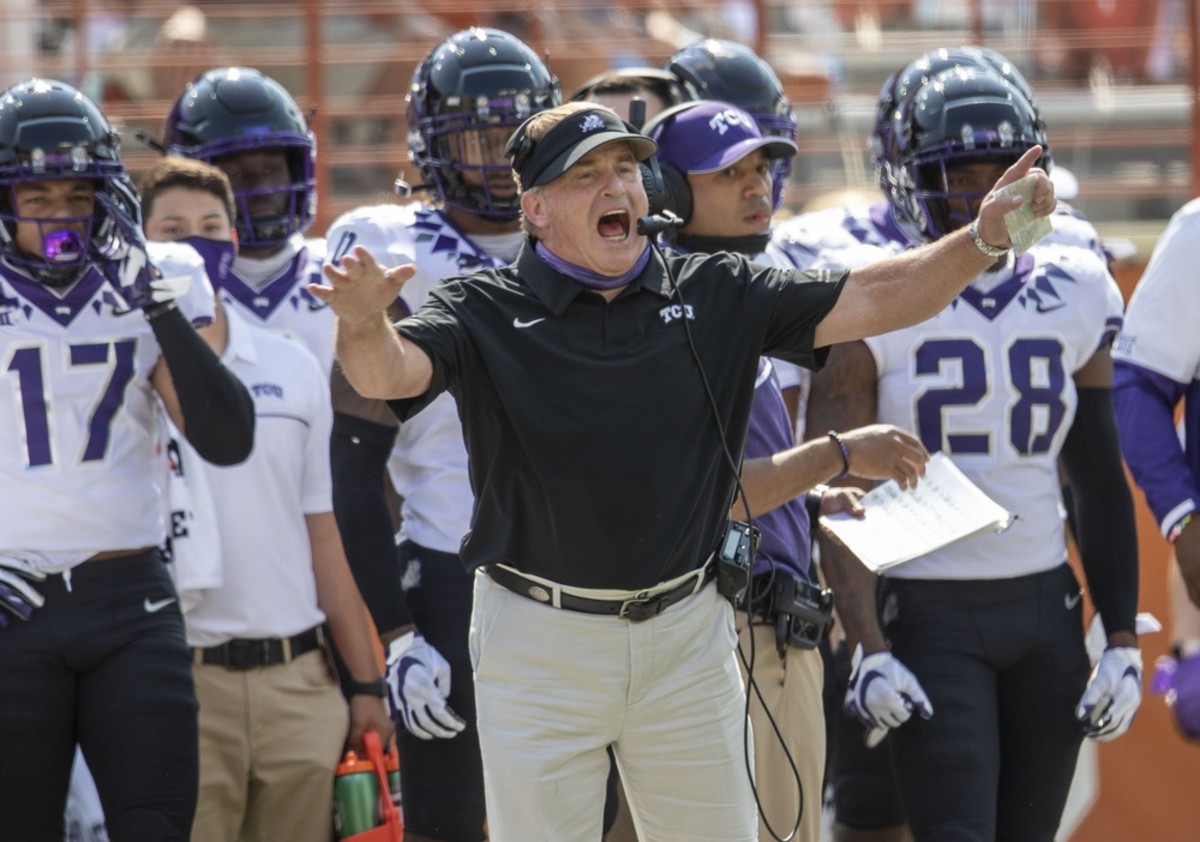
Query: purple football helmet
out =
(963, 115)
(51, 132)
(230, 110)
(733, 73)
(475, 81)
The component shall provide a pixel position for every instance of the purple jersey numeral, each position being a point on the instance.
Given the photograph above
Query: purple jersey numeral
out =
(1038, 379)
(1023, 359)
(119, 357)
(931, 405)
(31, 392)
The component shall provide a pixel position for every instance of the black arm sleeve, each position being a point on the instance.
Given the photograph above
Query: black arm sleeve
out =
(358, 454)
(1107, 535)
(218, 412)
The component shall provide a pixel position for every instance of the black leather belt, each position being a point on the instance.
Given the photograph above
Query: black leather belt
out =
(247, 654)
(636, 609)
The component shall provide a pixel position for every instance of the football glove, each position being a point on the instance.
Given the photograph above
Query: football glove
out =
(1179, 680)
(883, 694)
(1112, 695)
(18, 598)
(124, 259)
(418, 679)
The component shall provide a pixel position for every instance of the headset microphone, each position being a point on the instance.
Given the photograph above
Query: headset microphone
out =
(637, 112)
(655, 224)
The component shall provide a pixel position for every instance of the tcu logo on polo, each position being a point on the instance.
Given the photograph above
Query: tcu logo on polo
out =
(722, 120)
(673, 312)
(267, 390)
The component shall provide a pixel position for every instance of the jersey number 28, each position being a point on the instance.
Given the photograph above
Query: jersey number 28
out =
(1035, 375)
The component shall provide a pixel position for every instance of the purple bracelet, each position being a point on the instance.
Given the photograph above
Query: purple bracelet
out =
(836, 439)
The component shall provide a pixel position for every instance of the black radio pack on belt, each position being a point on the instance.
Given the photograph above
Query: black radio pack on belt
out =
(803, 612)
(738, 547)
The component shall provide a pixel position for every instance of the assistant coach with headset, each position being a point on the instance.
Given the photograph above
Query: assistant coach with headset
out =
(604, 391)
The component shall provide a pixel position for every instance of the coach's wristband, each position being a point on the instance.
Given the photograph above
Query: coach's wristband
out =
(836, 439)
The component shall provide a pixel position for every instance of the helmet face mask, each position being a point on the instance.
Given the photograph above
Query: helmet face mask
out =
(51, 133)
(466, 98)
(730, 72)
(960, 117)
(227, 114)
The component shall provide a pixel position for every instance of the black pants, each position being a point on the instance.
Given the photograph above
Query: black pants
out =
(860, 779)
(1004, 665)
(101, 664)
(442, 780)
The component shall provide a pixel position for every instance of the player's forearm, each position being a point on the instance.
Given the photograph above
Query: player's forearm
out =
(1107, 534)
(339, 599)
(377, 362)
(217, 410)
(854, 588)
(359, 451)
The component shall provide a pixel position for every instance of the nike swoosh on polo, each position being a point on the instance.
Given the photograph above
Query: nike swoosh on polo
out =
(156, 605)
(1071, 600)
(518, 324)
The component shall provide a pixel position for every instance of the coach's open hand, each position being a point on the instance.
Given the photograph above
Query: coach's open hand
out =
(360, 289)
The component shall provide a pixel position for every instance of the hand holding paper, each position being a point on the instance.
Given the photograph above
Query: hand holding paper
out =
(901, 525)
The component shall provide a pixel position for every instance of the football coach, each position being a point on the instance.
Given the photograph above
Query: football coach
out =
(605, 391)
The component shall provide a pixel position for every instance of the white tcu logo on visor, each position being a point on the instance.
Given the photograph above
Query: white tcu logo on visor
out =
(590, 123)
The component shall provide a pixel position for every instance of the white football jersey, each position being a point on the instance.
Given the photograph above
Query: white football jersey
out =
(78, 423)
(989, 381)
(1162, 333)
(283, 303)
(428, 466)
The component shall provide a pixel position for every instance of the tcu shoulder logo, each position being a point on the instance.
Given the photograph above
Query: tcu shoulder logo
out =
(674, 312)
(722, 120)
(590, 123)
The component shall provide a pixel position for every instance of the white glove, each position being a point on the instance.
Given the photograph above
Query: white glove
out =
(170, 289)
(883, 694)
(418, 680)
(1112, 695)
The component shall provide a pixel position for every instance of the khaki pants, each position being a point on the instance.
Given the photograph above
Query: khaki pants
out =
(269, 741)
(791, 688)
(554, 688)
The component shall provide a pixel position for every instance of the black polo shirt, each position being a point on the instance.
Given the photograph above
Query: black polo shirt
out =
(593, 451)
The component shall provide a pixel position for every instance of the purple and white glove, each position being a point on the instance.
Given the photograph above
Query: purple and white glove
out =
(1112, 695)
(18, 598)
(883, 694)
(418, 679)
(124, 258)
(1179, 680)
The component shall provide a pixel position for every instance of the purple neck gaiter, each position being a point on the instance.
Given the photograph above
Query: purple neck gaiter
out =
(590, 279)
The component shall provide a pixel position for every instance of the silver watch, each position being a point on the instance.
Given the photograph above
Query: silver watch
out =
(982, 244)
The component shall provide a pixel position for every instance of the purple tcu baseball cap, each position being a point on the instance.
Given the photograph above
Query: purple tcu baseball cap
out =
(704, 137)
